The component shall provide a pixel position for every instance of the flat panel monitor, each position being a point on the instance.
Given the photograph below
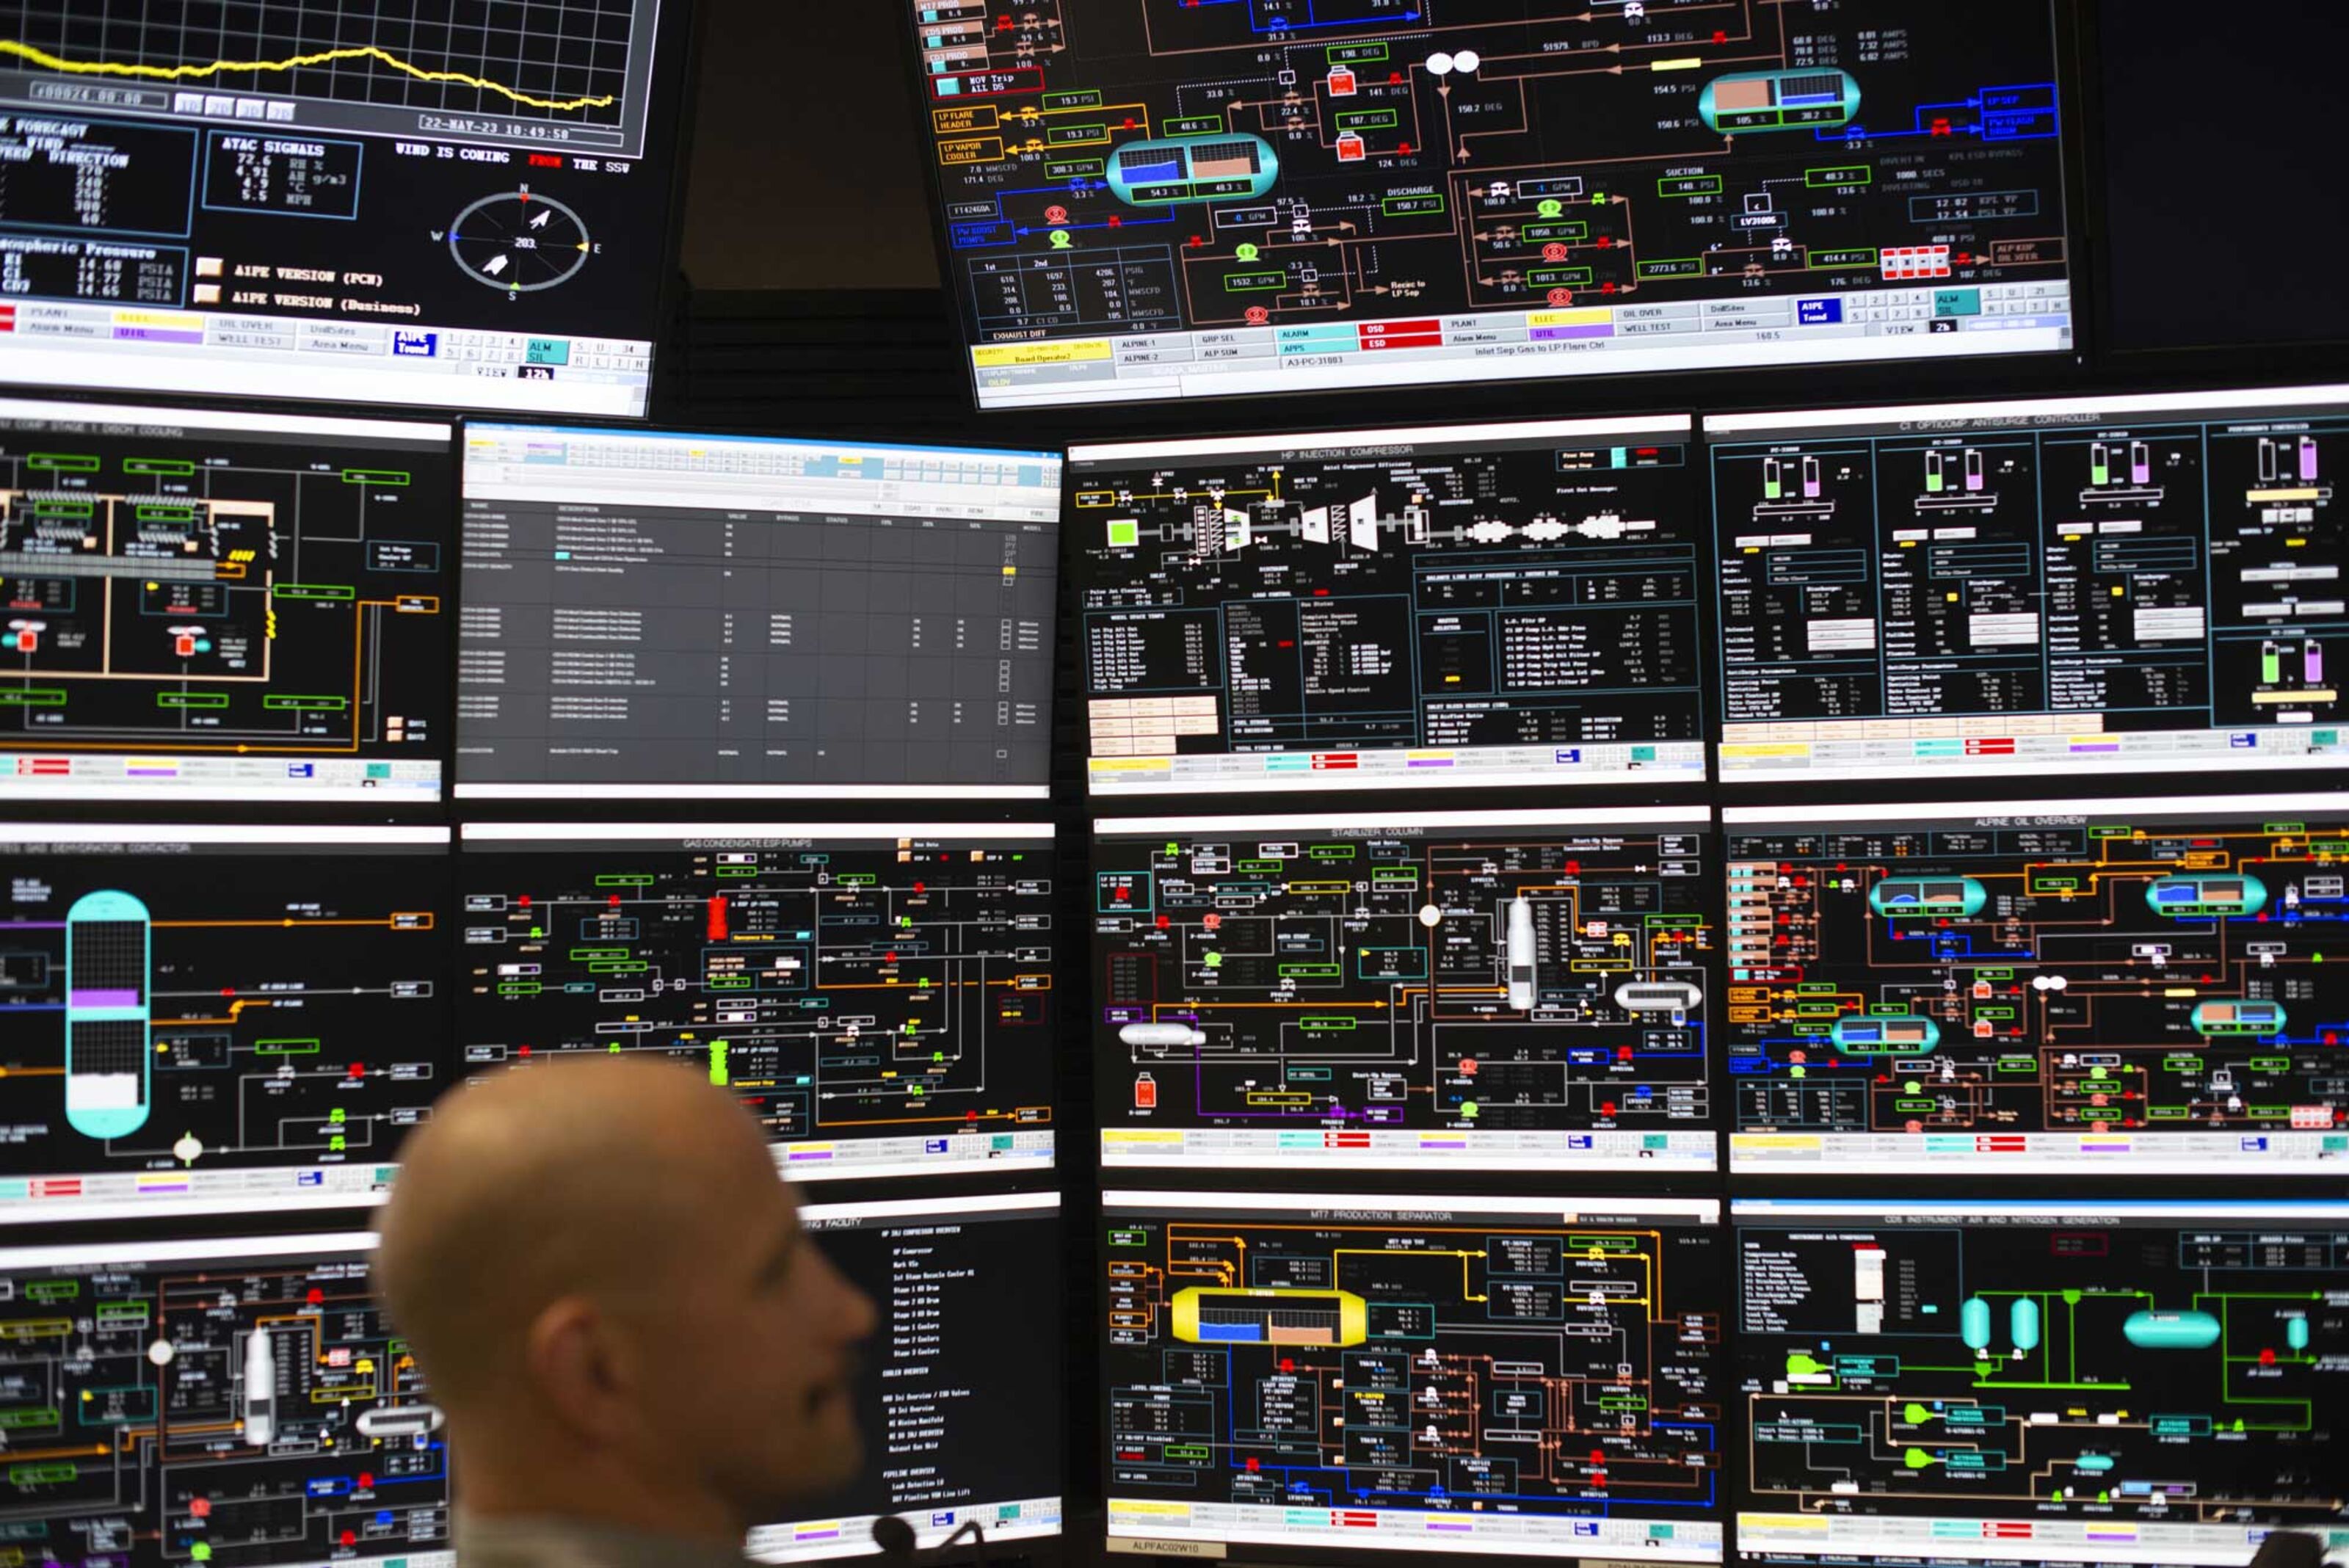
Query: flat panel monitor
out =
(2130, 985)
(879, 996)
(958, 1396)
(2052, 1382)
(419, 201)
(205, 606)
(2091, 586)
(1506, 1377)
(1467, 991)
(652, 612)
(1440, 607)
(208, 1020)
(236, 1401)
(1169, 199)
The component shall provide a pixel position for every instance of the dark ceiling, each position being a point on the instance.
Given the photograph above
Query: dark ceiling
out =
(806, 172)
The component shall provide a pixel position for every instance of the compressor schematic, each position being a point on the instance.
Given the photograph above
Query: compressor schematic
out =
(1502, 1375)
(2134, 1381)
(227, 1404)
(203, 606)
(881, 998)
(1477, 990)
(2136, 983)
(2144, 583)
(1465, 605)
(204, 1019)
(1160, 198)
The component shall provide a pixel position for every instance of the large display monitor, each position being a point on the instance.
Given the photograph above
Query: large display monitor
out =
(2076, 586)
(2135, 985)
(960, 1391)
(1434, 608)
(1158, 199)
(463, 206)
(659, 613)
(1470, 990)
(237, 1402)
(1512, 1376)
(2106, 1381)
(199, 1019)
(205, 606)
(880, 996)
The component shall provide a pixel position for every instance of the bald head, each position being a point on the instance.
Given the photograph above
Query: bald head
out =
(586, 1255)
(581, 1177)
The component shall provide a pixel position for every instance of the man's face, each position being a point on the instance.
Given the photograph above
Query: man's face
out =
(762, 1344)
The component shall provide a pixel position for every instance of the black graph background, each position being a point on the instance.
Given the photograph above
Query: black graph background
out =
(547, 55)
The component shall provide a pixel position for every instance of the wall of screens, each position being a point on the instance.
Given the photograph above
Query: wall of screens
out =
(1937, 920)
(1677, 983)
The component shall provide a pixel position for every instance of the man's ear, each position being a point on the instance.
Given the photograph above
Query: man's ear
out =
(580, 1369)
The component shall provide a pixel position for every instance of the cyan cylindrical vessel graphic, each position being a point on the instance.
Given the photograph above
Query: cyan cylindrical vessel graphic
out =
(2187, 897)
(2022, 1321)
(1899, 1035)
(2295, 1332)
(107, 1015)
(1973, 1324)
(1238, 167)
(1802, 100)
(1942, 895)
(2237, 1017)
(2170, 1330)
(2095, 1464)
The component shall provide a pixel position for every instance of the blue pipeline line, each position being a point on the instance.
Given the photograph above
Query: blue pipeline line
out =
(1121, 223)
(1942, 939)
(1257, 26)
(1919, 127)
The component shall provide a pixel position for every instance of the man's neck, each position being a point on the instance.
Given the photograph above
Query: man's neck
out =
(608, 1498)
(575, 1540)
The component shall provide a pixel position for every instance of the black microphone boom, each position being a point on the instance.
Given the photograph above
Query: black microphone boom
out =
(895, 1537)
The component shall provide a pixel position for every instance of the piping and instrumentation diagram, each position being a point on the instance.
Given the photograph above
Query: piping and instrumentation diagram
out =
(1447, 1361)
(214, 594)
(177, 1003)
(1453, 992)
(844, 987)
(222, 1404)
(2096, 1366)
(1962, 980)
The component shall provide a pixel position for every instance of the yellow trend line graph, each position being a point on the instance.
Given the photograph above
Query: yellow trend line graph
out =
(48, 61)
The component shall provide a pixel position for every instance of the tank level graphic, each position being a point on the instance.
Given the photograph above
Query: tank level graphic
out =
(1162, 1035)
(2204, 896)
(1901, 1033)
(1521, 955)
(1658, 996)
(107, 1015)
(260, 1390)
(1934, 895)
(2170, 1330)
(401, 1421)
(1977, 1321)
(1750, 101)
(1205, 1315)
(2237, 1017)
(1198, 168)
